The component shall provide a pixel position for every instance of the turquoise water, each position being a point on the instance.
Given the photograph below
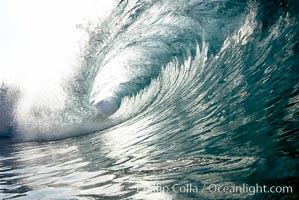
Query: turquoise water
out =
(169, 99)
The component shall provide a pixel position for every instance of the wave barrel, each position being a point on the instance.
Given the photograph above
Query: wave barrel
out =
(107, 106)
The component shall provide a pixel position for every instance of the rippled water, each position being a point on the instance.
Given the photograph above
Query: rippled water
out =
(199, 93)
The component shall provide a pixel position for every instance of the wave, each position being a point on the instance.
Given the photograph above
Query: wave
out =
(198, 67)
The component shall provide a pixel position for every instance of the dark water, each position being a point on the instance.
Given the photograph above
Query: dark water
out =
(170, 99)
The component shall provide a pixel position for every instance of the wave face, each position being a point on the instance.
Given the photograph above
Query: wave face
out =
(174, 92)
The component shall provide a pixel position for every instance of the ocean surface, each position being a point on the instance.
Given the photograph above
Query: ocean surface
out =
(168, 99)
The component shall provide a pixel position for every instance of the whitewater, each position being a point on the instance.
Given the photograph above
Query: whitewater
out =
(156, 96)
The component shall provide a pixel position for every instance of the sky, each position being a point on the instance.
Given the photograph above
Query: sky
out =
(40, 39)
